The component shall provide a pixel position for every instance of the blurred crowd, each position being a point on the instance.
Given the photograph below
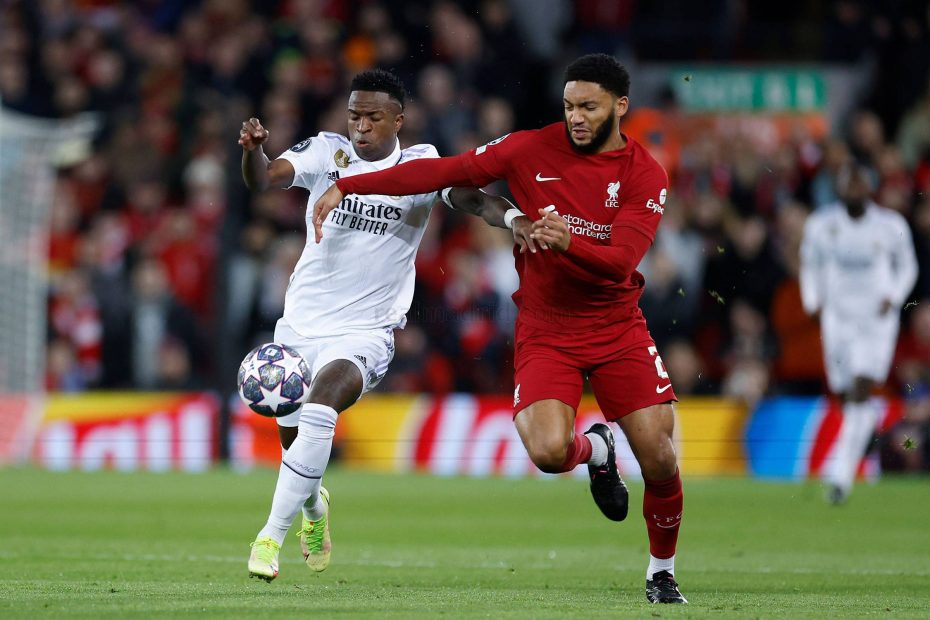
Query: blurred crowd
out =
(158, 253)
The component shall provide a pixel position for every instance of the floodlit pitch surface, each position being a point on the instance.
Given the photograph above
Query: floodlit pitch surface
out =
(173, 545)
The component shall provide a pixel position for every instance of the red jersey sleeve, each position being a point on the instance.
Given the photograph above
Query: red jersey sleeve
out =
(475, 168)
(632, 231)
(492, 161)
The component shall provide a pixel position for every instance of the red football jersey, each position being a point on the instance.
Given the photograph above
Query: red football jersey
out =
(612, 202)
(604, 197)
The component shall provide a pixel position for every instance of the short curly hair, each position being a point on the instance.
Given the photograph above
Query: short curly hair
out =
(600, 69)
(380, 81)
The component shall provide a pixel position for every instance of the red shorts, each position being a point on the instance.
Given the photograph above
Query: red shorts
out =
(620, 361)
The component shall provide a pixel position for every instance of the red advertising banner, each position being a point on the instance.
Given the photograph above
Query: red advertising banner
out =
(129, 431)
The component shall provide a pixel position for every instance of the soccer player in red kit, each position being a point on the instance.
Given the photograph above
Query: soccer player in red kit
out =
(596, 197)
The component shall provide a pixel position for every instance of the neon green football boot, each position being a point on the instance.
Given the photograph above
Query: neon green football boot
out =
(263, 561)
(314, 538)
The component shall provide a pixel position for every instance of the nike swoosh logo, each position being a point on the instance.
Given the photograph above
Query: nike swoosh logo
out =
(542, 178)
(660, 390)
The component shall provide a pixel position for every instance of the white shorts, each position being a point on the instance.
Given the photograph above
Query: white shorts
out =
(857, 347)
(371, 352)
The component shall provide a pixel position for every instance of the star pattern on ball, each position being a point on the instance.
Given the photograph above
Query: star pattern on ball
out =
(273, 398)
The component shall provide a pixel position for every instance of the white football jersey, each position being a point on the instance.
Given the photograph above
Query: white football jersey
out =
(361, 275)
(849, 266)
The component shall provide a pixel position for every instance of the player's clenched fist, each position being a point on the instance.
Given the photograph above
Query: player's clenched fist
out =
(551, 231)
(252, 134)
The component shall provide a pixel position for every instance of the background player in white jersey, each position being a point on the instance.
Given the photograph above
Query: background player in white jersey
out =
(857, 268)
(346, 295)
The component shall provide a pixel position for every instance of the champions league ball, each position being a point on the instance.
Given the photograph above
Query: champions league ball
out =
(274, 380)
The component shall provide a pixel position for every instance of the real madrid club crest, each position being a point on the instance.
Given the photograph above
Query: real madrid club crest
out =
(341, 158)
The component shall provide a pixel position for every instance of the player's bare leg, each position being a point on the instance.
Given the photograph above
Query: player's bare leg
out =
(336, 387)
(859, 421)
(649, 432)
(547, 429)
(287, 435)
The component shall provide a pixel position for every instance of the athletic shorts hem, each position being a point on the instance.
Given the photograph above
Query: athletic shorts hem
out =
(648, 403)
(521, 406)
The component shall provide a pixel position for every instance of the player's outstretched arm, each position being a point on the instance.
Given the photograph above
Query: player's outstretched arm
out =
(419, 176)
(811, 261)
(258, 172)
(497, 211)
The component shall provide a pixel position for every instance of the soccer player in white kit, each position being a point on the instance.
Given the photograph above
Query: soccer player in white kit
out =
(347, 294)
(857, 267)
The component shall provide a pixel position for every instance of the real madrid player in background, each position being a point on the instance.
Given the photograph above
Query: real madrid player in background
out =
(346, 295)
(857, 268)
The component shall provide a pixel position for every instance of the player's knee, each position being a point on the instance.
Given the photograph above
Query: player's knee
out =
(861, 390)
(338, 385)
(548, 454)
(661, 464)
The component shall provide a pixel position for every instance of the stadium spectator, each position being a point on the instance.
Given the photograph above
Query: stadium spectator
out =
(920, 222)
(914, 132)
(905, 446)
(75, 317)
(155, 318)
(912, 359)
(798, 364)
(63, 374)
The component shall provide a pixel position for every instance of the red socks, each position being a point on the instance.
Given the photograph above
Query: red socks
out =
(579, 451)
(662, 504)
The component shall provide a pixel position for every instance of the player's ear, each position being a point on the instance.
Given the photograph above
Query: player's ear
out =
(621, 106)
(398, 121)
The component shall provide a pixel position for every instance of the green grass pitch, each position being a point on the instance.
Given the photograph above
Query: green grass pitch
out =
(112, 545)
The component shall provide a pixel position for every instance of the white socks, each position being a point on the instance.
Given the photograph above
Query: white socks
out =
(301, 471)
(659, 564)
(859, 421)
(598, 449)
(314, 508)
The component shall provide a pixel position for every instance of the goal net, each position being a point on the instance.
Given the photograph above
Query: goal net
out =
(30, 151)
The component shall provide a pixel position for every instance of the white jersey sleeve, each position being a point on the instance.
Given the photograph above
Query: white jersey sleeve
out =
(812, 264)
(903, 257)
(310, 159)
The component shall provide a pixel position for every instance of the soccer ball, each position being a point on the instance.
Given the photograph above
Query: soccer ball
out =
(274, 380)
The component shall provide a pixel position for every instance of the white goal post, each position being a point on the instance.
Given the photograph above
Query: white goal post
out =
(31, 149)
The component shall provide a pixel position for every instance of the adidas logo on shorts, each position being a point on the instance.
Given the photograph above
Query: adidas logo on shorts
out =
(362, 359)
